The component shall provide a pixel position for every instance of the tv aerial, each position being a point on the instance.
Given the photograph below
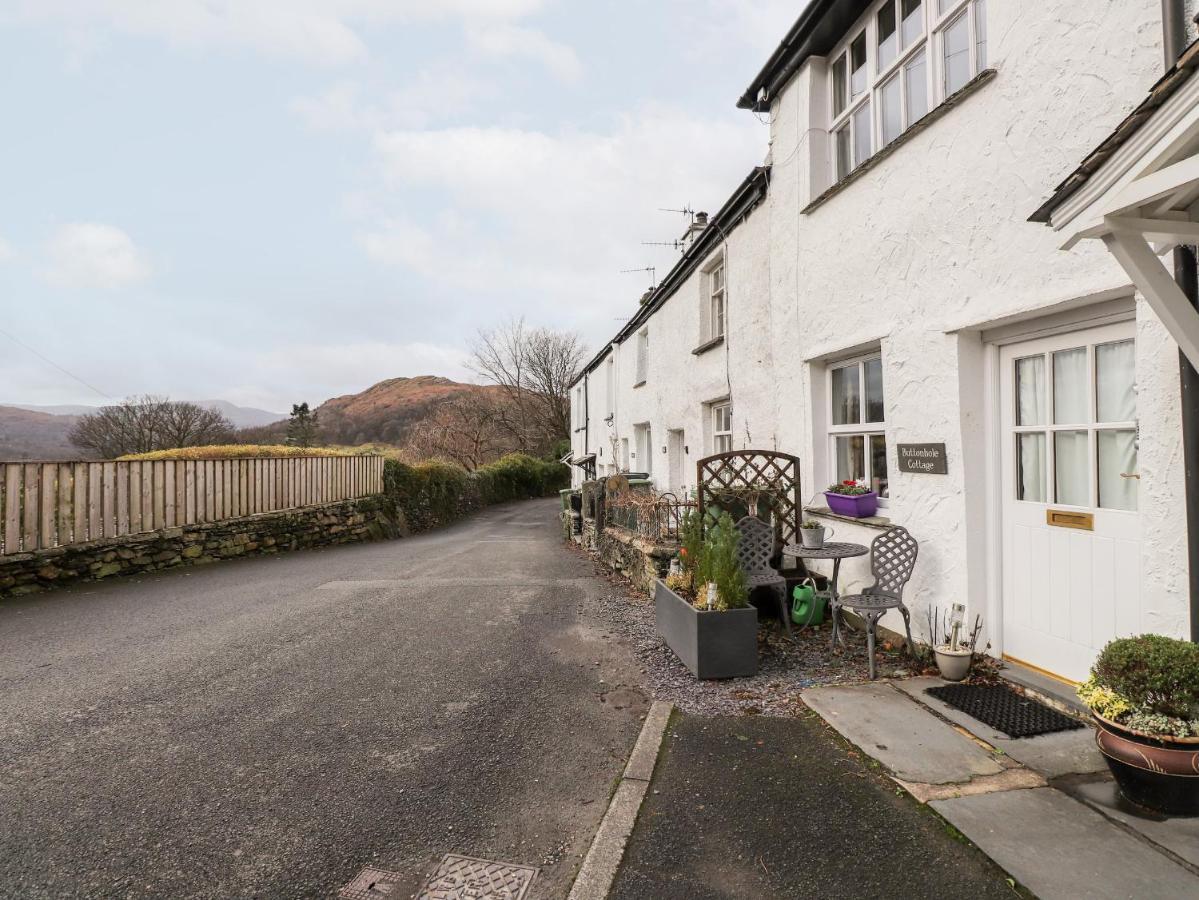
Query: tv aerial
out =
(652, 270)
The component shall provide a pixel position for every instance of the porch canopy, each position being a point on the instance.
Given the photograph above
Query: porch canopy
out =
(1138, 192)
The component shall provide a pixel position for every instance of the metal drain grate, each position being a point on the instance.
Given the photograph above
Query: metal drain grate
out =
(372, 884)
(467, 878)
(1003, 709)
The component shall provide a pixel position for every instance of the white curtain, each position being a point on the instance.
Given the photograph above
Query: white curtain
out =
(1032, 467)
(1030, 391)
(1115, 378)
(1072, 467)
(1071, 387)
(1117, 457)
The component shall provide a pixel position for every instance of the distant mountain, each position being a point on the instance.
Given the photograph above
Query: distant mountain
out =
(388, 411)
(27, 434)
(240, 416)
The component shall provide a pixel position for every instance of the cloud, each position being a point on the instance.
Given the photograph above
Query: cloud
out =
(93, 255)
(520, 214)
(432, 95)
(321, 31)
(6, 251)
(515, 41)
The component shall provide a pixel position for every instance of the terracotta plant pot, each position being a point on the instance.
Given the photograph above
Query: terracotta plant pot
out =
(1157, 772)
(856, 506)
(954, 664)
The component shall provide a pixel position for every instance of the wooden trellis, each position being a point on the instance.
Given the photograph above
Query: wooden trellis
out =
(756, 479)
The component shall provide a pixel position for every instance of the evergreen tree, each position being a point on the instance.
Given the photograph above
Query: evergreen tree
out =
(302, 427)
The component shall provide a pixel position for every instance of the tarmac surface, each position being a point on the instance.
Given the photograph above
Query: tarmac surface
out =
(267, 727)
(781, 808)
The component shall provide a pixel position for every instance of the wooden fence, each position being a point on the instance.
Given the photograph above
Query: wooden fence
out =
(52, 504)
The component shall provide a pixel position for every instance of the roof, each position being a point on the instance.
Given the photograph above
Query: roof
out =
(750, 193)
(816, 32)
(1162, 91)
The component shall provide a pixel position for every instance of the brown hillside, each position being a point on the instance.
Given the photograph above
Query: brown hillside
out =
(386, 412)
(35, 435)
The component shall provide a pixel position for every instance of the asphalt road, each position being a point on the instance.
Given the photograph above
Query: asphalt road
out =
(266, 727)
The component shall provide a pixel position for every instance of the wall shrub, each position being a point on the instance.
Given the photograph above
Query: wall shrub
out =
(435, 493)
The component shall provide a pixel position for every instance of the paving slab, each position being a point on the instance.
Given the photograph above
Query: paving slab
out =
(1058, 847)
(901, 734)
(1179, 836)
(1052, 755)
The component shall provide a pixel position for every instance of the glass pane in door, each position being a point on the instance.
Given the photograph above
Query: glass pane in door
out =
(1071, 394)
(1072, 468)
(1117, 452)
(1030, 391)
(851, 458)
(1030, 467)
(1115, 382)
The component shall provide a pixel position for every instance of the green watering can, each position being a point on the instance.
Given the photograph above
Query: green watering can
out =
(808, 604)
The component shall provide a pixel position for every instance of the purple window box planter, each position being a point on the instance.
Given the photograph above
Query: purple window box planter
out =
(858, 506)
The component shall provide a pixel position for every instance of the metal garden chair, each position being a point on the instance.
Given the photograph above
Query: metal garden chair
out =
(892, 560)
(754, 551)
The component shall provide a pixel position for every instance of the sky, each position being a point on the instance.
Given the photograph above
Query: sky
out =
(276, 201)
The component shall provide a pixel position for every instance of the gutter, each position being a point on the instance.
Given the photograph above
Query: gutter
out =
(751, 192)
(1186, 275)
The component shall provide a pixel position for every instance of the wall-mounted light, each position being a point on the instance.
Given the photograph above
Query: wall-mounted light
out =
(663, 449)
(686, 449)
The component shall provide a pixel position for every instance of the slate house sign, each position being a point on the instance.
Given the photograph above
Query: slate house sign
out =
(923, 459)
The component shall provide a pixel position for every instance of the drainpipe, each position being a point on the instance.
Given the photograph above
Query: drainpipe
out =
(1186, 274)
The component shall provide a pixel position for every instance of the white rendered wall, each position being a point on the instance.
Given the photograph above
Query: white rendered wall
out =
(918, 256)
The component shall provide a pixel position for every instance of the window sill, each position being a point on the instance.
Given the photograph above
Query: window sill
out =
(640, 383)
(708, 345)
(882, 523)
(971, 87)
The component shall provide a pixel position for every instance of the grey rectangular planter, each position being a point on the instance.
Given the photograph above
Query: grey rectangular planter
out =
(710, 644)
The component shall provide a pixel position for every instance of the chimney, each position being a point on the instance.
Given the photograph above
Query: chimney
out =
(697, 227)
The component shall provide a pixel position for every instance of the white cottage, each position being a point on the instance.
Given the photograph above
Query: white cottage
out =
(877, 285)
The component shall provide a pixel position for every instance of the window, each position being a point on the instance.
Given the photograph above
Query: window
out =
(722, 427)
(642, 356)
(610, 386)
(580, 410)
(645, 448)
(921, 49)
(857, 437)
(716, 301)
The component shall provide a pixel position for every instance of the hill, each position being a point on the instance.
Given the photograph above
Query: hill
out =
(388, 411)
(25, 434)
(240, 416)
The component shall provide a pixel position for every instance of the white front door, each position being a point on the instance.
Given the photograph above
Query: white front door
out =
(675, 442)
(1071, 533)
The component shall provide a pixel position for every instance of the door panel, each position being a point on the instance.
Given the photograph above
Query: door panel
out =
(1069, 434)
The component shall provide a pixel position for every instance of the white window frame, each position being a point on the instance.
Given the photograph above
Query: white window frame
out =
(642, 356)
(722, 435)
(643, 441)
(610, 387)
(580, 409)
(715, 326)
(861, 428)
(930, 42)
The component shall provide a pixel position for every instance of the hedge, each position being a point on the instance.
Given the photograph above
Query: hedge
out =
(435, 493)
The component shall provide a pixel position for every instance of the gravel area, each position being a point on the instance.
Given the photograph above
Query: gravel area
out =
(785, 667)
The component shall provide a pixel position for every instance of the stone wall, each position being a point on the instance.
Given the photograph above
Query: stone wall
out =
(634, 557)
(365, 519)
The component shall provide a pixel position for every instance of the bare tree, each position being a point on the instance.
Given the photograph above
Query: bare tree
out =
(534, 367)
(144, 424)
(471, 431)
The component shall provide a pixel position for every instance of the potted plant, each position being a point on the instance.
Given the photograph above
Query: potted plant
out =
(703, 612)
(955, 654)
(812, 534)
(1144, 695)
(851, 498)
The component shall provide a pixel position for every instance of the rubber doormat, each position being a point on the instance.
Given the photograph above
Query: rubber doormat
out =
(1003, 709)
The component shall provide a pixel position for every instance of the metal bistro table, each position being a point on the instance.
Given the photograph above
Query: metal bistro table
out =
(836, 552)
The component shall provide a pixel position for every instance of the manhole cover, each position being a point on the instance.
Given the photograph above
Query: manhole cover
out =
(372, 884)
(466, 878)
